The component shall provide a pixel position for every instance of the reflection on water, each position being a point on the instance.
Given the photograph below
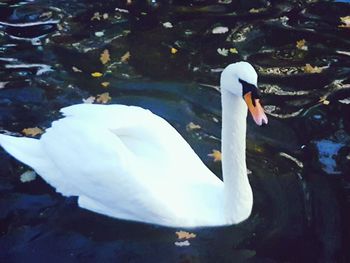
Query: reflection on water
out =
(168, 57)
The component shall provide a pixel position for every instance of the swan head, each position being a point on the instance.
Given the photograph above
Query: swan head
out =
(241, 79)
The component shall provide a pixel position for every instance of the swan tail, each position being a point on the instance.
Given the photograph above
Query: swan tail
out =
(30, 152)
(26, 150)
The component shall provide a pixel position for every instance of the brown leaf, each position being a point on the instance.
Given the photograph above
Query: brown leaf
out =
(32, 131)
(105, 57)
(216, 155)
(185, 235)
(346, 21)
(310, 69)
(301, 44)
(103, 98)
(125, 57)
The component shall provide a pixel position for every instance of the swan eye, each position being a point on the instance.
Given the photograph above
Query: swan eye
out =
(247, 87)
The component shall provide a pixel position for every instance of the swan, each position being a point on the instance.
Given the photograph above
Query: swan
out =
(128, 163)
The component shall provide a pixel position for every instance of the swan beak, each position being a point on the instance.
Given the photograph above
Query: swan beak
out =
(256, 110)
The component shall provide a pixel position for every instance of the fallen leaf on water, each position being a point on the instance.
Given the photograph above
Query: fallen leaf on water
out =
(105, 84)
(105, 57)
(256, 10)
(105, 16)
(185, 243)
(96, 74)
(173, 50)
(185, 235)
(233, 50)
(191, 126)
(89, 100)
(103, 98)
(216, 155)
(220, 30)
(96, 16)
(324, 101)
(301, 44)
(99, 34)
(75, 69)
(310, 69)
(28, 176)
(32, 131)
(168, 25)
(222, 51)
(346, 21)
(125, 57)
(345, 101)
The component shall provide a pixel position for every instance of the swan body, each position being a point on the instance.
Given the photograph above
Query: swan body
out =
(128, 163)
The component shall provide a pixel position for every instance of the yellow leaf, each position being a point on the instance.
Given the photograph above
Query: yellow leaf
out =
(105, 84)
(125, 57)
(32, 131)
(301, 44)
(310, 69)
(191, 126)
(96, 74)
(346, 21)
(185, 235)
(75, 69)
(173, 50)
(233, 50)
(104, 57)
(103, 98)
(326, 102)
(216, 155)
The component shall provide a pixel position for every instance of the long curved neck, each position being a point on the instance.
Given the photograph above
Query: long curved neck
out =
(238, 193)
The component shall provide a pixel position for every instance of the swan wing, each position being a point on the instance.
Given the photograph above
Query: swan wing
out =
(126, 162)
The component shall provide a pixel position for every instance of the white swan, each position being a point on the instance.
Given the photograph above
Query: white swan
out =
(128, 163)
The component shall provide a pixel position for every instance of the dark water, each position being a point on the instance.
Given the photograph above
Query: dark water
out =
(299, 162)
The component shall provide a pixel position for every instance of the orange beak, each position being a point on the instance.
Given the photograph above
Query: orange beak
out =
(256, 110)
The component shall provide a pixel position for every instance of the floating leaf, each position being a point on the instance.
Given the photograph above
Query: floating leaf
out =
(89, 100)
(185, 235)
(103, 98)
(256, 10)
(233, 50)
(105, 84)
(301, 44)
(325, 102)
(96, 74)
(346, 21)
(125, 57)
(168, 25)
(185, 243)
(96, 16)
(216, 155)
(32, 131)
(75, 69)
(310, 69)
(222, 51)
(220, 30)
(99, 34)
(28, 176)
(191, 126)
(345, 101)
(105, 16)
(105, 57)
(173, 50)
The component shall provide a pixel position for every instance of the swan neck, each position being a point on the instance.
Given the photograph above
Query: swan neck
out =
(238, 194)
